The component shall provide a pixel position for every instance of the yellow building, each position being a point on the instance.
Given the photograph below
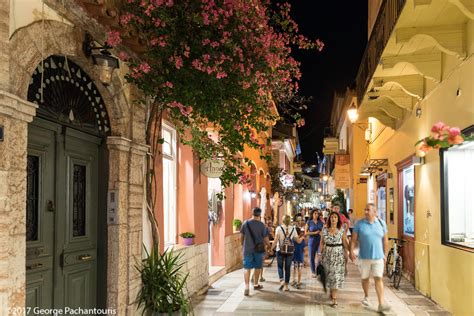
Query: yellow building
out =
(418, 69)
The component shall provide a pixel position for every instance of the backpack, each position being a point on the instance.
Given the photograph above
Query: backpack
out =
(287, 248)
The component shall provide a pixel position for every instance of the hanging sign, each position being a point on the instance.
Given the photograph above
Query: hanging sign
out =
(212, 168)
(342, 171)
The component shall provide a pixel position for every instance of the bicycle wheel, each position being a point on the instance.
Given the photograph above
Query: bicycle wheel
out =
(397, 274)
(389, 264)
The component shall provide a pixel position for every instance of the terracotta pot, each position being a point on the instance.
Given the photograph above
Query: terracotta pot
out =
(188, 241)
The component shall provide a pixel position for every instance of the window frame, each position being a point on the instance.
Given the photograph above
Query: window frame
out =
(401, 166)
(444, 192)
(174, 159)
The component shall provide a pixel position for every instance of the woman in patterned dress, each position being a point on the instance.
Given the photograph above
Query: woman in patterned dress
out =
(333, 249)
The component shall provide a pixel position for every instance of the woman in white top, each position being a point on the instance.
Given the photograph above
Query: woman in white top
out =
(284, 259)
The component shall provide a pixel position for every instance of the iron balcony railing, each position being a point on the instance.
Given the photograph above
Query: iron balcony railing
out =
(389, 13)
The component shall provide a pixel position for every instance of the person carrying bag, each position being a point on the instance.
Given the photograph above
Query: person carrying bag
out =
(285, 235)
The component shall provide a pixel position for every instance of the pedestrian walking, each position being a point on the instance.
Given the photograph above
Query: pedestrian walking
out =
(333, 248)
(313, 230)
(285, 237)
(254, 239)
(298, 259)
(336, 207)
(371, 235)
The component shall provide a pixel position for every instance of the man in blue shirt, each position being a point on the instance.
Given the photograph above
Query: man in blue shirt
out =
(253, 232)
(371, 234)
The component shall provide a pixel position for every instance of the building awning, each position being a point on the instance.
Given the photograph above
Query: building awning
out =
(373, 165)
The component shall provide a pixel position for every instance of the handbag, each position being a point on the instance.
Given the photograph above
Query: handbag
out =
(322, 275)
(260, 246)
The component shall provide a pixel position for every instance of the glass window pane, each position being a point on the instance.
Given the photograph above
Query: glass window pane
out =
(460, 173)
(32, 187)
(79, 200)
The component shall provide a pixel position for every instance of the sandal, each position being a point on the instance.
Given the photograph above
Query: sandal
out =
(334, 303)
(258, 287)
(281, 287)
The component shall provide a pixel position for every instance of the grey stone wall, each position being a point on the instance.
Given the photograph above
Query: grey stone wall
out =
(233, 252)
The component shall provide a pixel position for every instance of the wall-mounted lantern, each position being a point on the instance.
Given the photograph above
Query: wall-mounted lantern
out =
(104, 60)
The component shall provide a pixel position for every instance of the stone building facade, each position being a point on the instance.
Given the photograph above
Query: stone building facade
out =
(22, 50)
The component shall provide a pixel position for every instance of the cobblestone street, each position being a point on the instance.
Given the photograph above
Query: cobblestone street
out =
(226, 297)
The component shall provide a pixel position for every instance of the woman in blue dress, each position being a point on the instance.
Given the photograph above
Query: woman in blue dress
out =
(313, 230)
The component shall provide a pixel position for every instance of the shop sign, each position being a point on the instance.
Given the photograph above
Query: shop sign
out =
(342, 172)
(212, 168)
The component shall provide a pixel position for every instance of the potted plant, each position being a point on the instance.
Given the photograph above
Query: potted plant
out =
(237, 223)
(163, 290)
(188, 238)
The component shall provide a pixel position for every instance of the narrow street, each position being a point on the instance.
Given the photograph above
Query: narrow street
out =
(226, 297)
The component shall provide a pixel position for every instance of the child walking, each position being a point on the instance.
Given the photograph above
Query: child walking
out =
(298, 259)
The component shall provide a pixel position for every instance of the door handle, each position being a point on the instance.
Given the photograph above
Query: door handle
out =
(86, 257)
(34, 266)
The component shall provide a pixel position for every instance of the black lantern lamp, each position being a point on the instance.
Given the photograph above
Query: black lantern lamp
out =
(104, 59)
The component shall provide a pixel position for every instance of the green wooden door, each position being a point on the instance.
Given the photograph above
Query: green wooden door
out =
(62, 259)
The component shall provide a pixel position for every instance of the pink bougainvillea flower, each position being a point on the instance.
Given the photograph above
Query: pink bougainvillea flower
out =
(145, 68)
(178, 62)
(123, 56)
(221, 75)
(126, 18)
(168, 84)
(113, 38)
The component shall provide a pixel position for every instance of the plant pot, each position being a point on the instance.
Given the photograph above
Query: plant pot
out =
(237, 229)
(188, 241)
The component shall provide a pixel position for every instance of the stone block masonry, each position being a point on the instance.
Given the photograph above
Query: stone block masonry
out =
(233, 252)
(197, 265)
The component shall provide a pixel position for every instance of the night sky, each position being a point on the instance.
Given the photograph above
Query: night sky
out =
(342, 26)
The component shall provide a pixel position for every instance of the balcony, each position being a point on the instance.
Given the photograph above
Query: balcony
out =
(387, 18)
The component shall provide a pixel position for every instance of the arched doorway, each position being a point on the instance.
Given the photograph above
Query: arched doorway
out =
(66, 189)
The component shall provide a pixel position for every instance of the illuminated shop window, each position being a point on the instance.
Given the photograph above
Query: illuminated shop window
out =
(169, 184)
(457, 198)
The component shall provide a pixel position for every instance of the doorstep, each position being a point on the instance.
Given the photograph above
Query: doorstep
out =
(215, 273)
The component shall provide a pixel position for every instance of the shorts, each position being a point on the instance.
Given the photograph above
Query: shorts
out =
(366, 267)
(254, 260)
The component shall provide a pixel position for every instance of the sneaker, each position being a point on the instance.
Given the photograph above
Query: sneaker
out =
(383, 308)
(262, 280)
(365, 301)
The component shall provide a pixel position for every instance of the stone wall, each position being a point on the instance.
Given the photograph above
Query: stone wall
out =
(233, 252)
(197, 264)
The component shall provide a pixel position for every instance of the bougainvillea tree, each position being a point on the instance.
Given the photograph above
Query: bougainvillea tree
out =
(217, 65)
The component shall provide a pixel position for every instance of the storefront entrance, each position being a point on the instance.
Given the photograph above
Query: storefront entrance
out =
(406, 215)
(66, 188)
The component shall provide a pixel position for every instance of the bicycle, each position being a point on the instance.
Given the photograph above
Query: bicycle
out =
(394, 263)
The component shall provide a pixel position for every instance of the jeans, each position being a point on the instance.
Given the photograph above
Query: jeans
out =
(313, 247)
(284, 261)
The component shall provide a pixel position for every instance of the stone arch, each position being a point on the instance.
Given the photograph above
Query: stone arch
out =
(62, 39)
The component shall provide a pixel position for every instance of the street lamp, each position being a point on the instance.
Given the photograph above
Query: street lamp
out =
(352, 113)
(325, 177)
(104, 59)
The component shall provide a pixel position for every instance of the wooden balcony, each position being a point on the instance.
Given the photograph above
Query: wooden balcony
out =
(387, 18)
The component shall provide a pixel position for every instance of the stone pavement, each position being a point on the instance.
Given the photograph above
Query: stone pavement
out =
(225, 297)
